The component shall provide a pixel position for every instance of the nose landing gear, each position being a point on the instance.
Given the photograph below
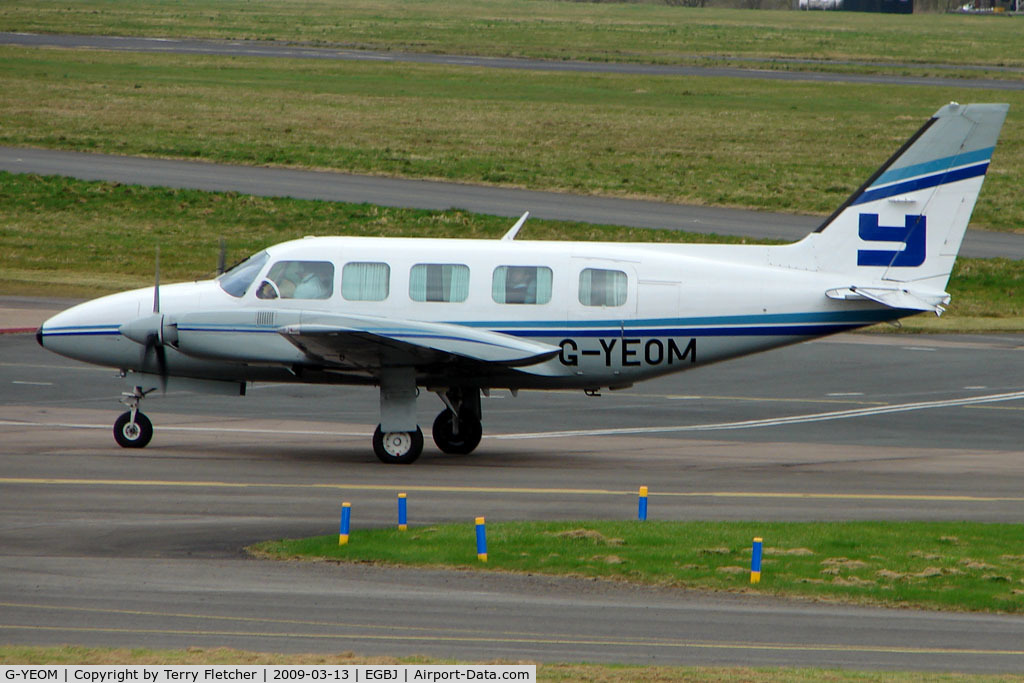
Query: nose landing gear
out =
(133, 429)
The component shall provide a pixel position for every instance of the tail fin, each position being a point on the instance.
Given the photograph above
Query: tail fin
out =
(902, 229)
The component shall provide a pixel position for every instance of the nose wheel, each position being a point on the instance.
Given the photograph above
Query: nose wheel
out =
(133, 431)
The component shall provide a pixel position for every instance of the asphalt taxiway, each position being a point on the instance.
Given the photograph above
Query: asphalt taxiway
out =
(103, 546)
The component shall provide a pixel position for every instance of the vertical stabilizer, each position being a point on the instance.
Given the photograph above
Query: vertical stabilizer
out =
(906, 223)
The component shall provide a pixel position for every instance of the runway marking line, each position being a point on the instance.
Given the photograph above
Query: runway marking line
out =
(41, 481)
(778, 421)
(539, 640)
(517, 637)
(614, 431)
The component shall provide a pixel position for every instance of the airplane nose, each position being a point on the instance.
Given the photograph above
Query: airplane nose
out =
(89, 331)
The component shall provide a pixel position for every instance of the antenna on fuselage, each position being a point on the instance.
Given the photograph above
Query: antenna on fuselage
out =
(221, 258)
(156, 284)
(514, 230)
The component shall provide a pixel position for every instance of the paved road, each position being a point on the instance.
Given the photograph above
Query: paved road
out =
(426, 194)
(106, 547)
(277, 50)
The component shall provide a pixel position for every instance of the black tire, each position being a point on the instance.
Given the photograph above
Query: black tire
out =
(398, 448)
(468, 438)
(129, 435)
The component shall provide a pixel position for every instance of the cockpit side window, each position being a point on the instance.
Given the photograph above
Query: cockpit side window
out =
(237, 280)
(298, 280)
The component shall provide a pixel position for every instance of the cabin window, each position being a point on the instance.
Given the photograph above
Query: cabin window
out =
(599, 287)
(521, 285)
(236, 281)
(362, 281)
(439, 282)
(298, 280)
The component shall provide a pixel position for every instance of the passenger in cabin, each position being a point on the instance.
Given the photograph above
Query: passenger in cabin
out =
(521, 286)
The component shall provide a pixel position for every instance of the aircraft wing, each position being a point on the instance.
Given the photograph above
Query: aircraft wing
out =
(366, 342)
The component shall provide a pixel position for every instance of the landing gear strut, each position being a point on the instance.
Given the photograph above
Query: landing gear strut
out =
(457, 429)
(133, 429)
(398, 439)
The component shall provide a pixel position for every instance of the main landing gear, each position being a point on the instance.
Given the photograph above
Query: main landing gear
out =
(397, 440)
(133, 429)
(457, 429)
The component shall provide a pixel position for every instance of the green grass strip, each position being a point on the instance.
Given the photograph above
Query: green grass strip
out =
(934, 565)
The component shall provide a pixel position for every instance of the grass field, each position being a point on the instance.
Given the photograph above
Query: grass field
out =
(646, 32)
(934, 565)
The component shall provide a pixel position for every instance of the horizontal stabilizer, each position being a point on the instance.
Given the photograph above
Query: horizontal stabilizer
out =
(894, 297)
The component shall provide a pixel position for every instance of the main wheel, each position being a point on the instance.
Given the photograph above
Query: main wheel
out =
(463, 443)
(130, 434)
(398, 448)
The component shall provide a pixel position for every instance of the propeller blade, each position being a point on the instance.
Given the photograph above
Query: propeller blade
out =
(161, 360)
(155, 343)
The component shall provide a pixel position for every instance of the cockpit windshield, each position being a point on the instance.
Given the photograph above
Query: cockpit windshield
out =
(237, 280)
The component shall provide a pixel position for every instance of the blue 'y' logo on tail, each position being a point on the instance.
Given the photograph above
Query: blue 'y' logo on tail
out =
(912, 235)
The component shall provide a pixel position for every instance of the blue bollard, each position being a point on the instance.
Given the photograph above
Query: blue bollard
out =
(403, 516)
(755, 562)
(642, 505)
(346, 520)
(481, 540)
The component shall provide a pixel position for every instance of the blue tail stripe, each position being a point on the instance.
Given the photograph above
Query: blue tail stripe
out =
(922, 183)
(936, 166)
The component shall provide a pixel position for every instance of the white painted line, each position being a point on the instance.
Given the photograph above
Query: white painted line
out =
(718, 426)
(33, 384)
(228, 430)
(846, 393)
(775, 422)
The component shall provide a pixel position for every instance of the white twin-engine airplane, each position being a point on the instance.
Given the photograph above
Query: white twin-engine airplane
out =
(461, 317)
